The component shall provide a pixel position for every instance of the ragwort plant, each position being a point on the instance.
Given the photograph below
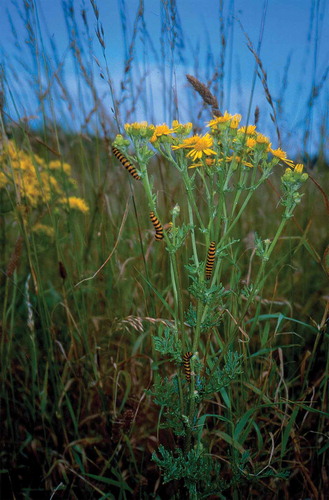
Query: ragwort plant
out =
(207, 340)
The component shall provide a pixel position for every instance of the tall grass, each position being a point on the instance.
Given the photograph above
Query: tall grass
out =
(81, 303)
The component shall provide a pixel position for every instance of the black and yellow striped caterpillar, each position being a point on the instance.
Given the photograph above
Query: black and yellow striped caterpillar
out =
(187, 365)
(157, 226)
(210, 260)
(126, 163)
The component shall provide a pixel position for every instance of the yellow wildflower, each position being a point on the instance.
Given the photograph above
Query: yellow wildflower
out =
(235, 121)
(160, 130)
(187, 143)
(208, 161)
(199, 145)
(181, 128)
(238, 159)
(135, 126)
(58, 165)
(75, 204)
(262, 139)
(11, 150)
(139, 129)
(42, 228)
(3, 180)
(251, 142)
(282, 155)
(36, 182)
(299, 167)
(249, 130)
(279, 153)
(219, 119)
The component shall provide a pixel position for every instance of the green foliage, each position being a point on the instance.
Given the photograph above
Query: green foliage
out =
(261, 247)
(242, 472)
(208, 295)
(212, 319)
(167, 344)
(166, 395)
(199, 472)
(178, 236)
(219, 378)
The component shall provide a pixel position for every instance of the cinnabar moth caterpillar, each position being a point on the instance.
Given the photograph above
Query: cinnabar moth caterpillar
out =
(210, 260)
(187, 365)
(126, 163)
(157, 226)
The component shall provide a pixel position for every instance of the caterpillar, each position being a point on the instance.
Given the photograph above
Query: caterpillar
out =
(187, 365)
(126, 163)
(210, 260)
(157, 226)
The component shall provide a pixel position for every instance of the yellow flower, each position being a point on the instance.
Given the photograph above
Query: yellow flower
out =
(262, 139)
(3, 180)
(202, 146)
(235, 121)
(75, 204)
(199, 145)
(251, 142)
(42, 228)
(58, 165)
(239, 160)
(160, 130)
(249, 130)
(220, 119)
(282, 155)
(181, 128)
(35, 181)
(11, 150)
(208, 161)
(294, 176)
(299, 167)
(279, 153)
(187, 143)
(139, 129)
(135, 126)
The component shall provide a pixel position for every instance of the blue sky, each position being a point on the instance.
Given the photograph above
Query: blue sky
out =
(294, 31)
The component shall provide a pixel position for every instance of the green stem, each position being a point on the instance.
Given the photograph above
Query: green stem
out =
(179, 310)
(191, 412)
(259, 280)
(190, 198)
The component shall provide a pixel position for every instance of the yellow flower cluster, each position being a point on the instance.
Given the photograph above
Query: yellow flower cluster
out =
(35, 182)
(75, 203)
(224, 143)
(219, 122)
(155, 133)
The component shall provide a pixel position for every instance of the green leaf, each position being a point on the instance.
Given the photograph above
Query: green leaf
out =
(287, 431)
(119, 484)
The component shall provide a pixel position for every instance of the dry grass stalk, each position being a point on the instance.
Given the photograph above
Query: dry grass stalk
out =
(263, 78)
(204, 92)
(15, 257)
